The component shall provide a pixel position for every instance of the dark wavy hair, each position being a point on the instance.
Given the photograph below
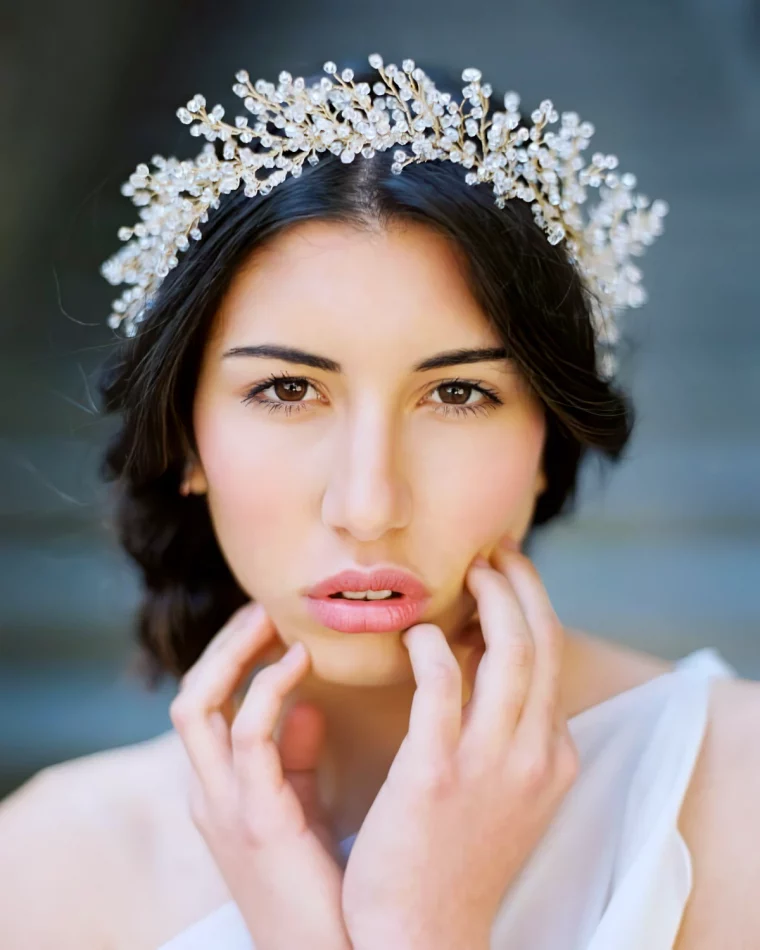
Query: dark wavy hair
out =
(526, 287)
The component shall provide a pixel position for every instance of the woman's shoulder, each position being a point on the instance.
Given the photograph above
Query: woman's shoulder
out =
(58, 835)
(99, 851)
(596, 669)
(720, 822)
(720, 815)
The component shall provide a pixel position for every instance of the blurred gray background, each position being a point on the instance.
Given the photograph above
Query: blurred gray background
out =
(665, 554)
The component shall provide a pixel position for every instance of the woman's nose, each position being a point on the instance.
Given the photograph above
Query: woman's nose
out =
(368, 493)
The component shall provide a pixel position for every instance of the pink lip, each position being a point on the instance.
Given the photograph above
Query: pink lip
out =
(364, 616)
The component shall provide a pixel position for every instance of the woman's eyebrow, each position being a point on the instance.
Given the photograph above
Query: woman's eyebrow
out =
(293, 355)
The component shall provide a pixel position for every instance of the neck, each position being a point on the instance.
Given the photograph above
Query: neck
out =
(366, 726)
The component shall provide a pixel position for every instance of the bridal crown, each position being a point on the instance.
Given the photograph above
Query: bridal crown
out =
(294, 122)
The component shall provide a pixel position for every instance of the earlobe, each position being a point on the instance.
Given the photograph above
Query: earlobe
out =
(194, 480)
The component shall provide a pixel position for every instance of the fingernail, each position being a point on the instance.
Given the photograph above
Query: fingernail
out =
(295, 654)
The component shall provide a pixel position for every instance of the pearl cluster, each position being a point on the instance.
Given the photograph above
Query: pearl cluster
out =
(294, 123)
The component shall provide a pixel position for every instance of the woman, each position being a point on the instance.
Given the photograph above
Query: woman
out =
(362, 384)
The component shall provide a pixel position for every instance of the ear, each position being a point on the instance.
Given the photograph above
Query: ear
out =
(194, 479)
(541, 482)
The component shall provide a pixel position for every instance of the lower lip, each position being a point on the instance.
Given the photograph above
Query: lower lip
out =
(366, 616)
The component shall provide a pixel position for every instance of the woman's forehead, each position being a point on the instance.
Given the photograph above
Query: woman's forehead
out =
(340, 277)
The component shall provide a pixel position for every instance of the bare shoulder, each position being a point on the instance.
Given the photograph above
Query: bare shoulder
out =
(596, 669)
(57, 838)
(83, 841)
(720, 822)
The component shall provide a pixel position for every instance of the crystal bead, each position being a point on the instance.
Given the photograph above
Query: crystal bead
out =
(511, 101)
(330, 67)
(171, 197)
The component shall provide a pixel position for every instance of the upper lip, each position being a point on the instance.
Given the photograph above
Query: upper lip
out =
(380, 578)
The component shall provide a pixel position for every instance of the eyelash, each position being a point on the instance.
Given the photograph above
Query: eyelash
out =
(492, 398)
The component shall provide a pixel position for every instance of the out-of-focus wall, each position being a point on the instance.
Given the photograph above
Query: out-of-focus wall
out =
(664, 555)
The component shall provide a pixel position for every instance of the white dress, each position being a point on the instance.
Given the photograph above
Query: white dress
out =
(612, 872)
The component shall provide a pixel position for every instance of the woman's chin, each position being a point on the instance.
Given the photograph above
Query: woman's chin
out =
(360, 659)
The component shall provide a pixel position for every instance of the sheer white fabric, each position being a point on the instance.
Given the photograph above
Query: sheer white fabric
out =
(612, 872)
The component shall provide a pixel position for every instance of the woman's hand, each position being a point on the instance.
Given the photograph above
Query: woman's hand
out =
(471, 791)
(254, 800)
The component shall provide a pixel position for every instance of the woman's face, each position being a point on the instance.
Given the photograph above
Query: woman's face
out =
(371, 464)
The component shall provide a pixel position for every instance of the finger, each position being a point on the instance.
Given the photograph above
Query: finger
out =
(542, 702)
(436, 715)
(504, 673)
(468, 648)
(199, 709)
(256, 757)
(301, 743)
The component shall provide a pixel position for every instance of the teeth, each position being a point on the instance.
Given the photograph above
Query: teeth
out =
(366, 594)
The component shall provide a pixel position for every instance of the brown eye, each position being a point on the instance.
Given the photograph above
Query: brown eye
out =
(290, 390)
(462, 392)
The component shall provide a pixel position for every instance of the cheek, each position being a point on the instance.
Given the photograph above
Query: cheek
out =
(491, 487)
(253, 489)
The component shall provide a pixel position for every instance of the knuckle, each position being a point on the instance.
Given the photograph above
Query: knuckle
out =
(435, 778)
(520, 652)
(180, 711)
(253, 830)
(534, 770)
(243, 734)
(444, 674)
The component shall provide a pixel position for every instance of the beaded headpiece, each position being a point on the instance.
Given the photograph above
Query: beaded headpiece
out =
(403, 110)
